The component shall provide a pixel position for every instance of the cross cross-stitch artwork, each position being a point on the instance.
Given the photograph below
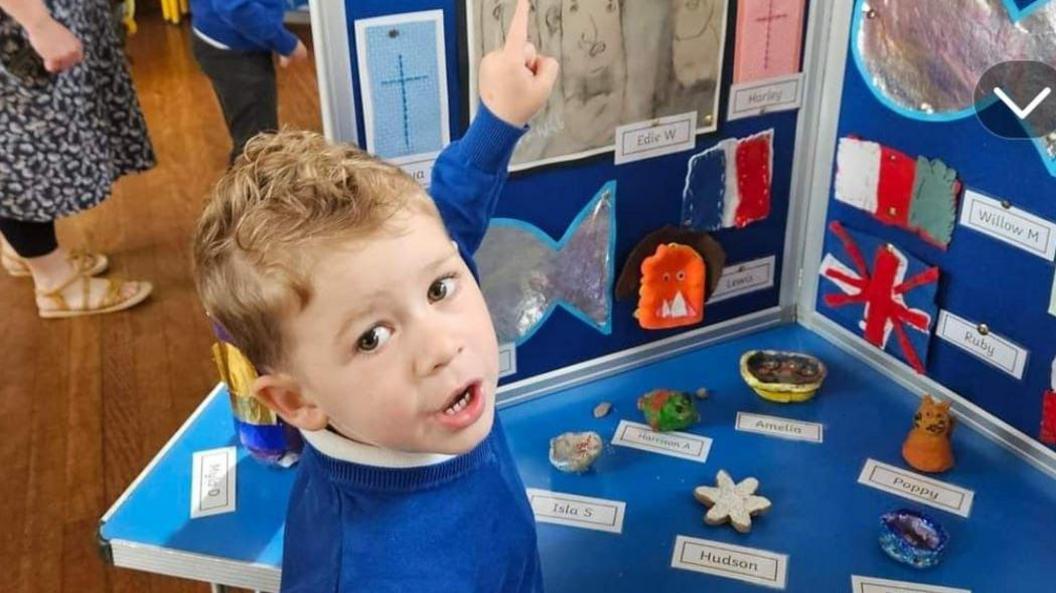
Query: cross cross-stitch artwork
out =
(728, 185)
(879, 292)
(769, 39)
(622, 62)
(915, 194)
(403, 84)
(525, 274)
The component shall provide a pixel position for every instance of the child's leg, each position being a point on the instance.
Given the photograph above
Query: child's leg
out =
(244, 83)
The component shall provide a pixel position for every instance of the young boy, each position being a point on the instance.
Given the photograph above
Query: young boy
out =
(355, 296)
(233, 42)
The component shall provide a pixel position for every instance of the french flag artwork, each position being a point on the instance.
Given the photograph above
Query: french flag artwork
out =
(880, 292)
(913, 193)
(728, 185)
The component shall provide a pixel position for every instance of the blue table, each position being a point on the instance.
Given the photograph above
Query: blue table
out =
(822, 518)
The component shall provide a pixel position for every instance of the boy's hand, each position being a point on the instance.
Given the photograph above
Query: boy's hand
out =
(515, 82)
(299, 53)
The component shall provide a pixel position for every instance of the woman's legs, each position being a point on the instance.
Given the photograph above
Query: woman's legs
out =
(52, 267)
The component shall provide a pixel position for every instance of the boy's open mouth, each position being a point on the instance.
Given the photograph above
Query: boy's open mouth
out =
(464, 406)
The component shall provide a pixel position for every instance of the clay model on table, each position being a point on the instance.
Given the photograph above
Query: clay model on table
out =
(912, 538)
(602, 410)
(730, 502)
(666, 410)
(575, 452)
(927, 447)
(782, 376)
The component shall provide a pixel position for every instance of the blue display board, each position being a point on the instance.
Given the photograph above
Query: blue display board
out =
(649, 197)
(983, 280)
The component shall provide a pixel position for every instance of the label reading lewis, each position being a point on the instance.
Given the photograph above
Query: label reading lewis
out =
(676, 444)
(656, 137)
(990, 347)
(775, 426)
(875, 585)
(213, 482)
(744, 278)
(1013, 226)
(759, 567)
(577, 511)
(917, 488)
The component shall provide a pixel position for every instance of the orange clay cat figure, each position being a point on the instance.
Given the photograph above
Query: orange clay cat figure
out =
(927, 448)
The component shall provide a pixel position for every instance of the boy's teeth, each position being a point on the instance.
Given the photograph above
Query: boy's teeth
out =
(459, 405)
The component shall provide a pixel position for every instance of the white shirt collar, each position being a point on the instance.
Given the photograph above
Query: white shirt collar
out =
(333, 445)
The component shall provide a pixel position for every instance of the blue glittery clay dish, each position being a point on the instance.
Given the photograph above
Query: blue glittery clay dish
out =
(912, 538)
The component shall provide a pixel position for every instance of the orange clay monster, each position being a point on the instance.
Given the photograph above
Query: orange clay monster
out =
(672, 289)
(927, 447)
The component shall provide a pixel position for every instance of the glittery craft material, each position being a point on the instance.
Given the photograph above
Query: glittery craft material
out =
(575, 452)
(912, 538)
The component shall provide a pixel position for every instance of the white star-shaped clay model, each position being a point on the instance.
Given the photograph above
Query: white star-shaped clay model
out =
(731, 502)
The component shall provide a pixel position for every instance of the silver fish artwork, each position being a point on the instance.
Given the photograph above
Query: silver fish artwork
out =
(924, 58)
(525, 274)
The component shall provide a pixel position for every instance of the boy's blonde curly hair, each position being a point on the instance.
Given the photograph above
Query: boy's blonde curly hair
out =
(289, 195)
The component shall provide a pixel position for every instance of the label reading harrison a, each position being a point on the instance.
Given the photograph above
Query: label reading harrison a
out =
(750, 565)
(875, 585)
(775, 426)
(653, 138)
(744, 278)
(989, 347)
(213, 482)
(765, 96)
(676, 444)
(917, 488)
(577, 511)
(1003, 222)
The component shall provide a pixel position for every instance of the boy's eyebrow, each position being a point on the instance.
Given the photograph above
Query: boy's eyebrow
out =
(358, 312)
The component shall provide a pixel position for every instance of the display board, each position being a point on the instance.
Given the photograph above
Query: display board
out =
(549, 201)
(923, 178)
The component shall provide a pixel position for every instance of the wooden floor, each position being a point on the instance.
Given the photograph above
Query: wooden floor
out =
(85, 403)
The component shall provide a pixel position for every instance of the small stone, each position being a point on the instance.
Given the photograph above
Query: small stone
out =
(602, 410)
(702, 393)
(575, 452)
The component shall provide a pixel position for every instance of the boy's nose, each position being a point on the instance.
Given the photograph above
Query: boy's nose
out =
(437, 351)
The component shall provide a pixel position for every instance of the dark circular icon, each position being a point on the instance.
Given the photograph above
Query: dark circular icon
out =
(1017, 99)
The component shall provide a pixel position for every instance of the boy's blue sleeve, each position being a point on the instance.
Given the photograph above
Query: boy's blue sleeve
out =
(258, 23)
(469, 175)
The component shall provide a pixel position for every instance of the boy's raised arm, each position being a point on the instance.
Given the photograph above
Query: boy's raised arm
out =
(515, 83)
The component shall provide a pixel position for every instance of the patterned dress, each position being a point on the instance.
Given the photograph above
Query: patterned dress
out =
(65, 139)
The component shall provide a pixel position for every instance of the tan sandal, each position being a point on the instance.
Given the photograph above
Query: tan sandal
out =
(82, 260)
(111, 301)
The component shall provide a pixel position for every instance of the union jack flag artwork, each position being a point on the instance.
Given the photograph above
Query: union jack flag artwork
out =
(880, 291)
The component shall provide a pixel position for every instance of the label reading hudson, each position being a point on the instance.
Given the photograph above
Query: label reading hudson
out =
(759, 567)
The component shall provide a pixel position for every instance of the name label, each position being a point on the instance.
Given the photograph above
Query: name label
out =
(419, 167)
(577, 511)
(783, 428)
(656, 137)
(676, 444)
(744, 278)
(1013, 226)
(990, 348)
(772, 95)
(917, 488)
(213, 482)
(875, 585)
(507, 359)
(759, 567)
(1052, 298)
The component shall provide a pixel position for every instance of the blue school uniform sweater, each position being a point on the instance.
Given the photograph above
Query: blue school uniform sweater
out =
(460, 525)
(244, 25)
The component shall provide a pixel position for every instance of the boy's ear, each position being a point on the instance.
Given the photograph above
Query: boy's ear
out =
(283, 394)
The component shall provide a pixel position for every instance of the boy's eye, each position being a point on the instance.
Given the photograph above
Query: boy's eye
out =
(441, 289)
(374, 338)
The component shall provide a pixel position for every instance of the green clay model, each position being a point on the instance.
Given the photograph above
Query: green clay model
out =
(667, 410)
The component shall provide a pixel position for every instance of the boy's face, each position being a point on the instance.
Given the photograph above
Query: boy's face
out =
(396, 346)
